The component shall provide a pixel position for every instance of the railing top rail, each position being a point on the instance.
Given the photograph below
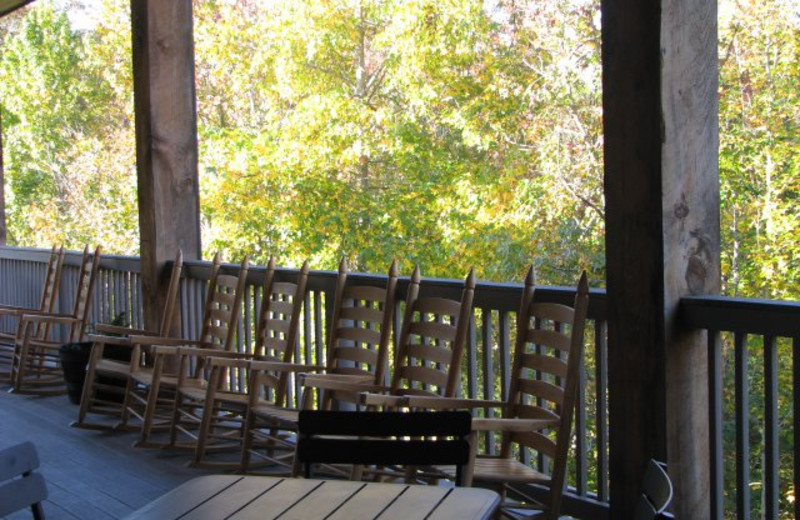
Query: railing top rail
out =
(498, 296)
(745, 315)
(72, 258)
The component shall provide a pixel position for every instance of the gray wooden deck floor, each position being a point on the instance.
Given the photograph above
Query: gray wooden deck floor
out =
(90, 475)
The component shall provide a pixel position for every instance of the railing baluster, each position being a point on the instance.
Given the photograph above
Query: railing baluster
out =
(318, 328)
(771, 461)
(581, 466)
(504, 347)
(715, 423)
(796, 421)
(472, 360)
(308, 351)
(742, 428)
(488, 371)
(601, 407)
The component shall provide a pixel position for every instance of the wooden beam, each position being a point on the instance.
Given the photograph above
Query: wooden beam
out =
(662, 239)
(166, 141)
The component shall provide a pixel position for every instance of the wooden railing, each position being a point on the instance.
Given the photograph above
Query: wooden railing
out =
(754, 397)
(749, 340)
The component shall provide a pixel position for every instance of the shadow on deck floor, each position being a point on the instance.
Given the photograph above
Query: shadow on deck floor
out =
(90, 474)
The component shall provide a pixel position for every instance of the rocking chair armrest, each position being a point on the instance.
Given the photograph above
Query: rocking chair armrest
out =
(451, 403)
(207, 352)
(14, 310)
(107, 328)
(59, 319)
(373, 399)
(342, 382)
(161, 350)
(242, 363)
(282, 366)
(164, 341)
(512, 425)
(122, 341)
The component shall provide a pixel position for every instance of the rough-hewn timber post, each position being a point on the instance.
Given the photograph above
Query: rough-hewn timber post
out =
(662, 238)
(166, 141)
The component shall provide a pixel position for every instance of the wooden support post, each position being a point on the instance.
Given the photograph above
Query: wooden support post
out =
(662, 239)
(166, 141)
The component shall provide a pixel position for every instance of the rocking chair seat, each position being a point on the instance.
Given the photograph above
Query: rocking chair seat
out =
(500, 469)
(277, 414)
(111, 367)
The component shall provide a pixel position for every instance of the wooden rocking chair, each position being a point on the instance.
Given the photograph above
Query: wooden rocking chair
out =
(100, 368)
(541, 399)
(47, 305)
(150, 392)
(211, 412)
(36, 367)
(428, 360)
(431, 346)
(358, 340)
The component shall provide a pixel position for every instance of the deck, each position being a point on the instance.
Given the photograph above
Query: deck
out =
(89, 474)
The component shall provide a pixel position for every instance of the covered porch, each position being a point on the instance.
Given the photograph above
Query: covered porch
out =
(773, 324)
(655, 384)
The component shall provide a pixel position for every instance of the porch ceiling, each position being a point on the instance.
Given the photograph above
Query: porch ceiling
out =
(6, 6)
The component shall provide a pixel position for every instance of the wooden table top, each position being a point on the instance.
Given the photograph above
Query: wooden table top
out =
(237, 497)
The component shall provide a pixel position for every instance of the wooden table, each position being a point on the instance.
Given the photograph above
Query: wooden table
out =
(232, 496)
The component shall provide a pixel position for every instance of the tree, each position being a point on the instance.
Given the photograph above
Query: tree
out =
(64, 138)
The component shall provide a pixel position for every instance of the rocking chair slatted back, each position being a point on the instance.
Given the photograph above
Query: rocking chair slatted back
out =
(361, 327)
(278, 327)
(432, 341)
(547, 358)
(84, 294)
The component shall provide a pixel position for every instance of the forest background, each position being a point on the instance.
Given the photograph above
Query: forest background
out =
(451, 134)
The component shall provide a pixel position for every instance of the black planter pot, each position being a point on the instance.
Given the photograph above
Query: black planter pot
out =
(75, 357)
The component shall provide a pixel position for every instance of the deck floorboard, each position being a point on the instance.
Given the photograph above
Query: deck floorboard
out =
(90, 474)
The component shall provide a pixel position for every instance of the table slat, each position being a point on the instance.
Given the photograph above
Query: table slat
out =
(477, 503)
(279, 498)
(173, 505)
(416, 502)
(369, 502)
(265, 498)
(324, 500)
(242, 492)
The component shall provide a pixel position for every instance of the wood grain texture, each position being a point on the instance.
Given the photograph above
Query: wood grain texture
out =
(229, 496)
(166, 142)
(662, 241)
(690, 186)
